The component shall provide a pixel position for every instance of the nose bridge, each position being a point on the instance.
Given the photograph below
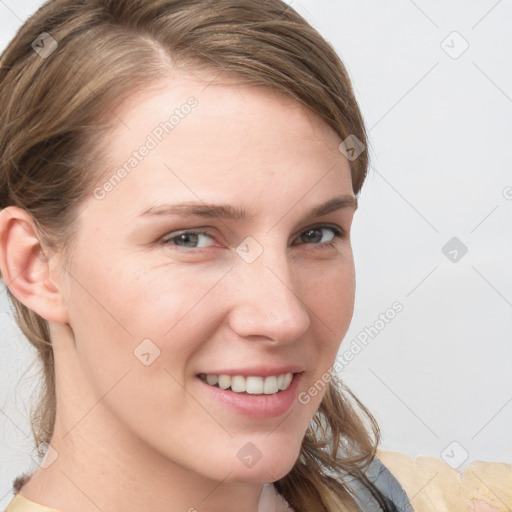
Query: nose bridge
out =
(267, 303)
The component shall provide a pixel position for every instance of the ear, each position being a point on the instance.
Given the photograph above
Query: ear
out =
(25, 266)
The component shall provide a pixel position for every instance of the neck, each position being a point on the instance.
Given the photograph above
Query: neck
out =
(101, 471)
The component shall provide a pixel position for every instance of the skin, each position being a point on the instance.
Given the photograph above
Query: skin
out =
(134, 437)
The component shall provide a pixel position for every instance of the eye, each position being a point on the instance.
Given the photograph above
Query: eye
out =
(190, 239)
(198, 239)
(315, 234)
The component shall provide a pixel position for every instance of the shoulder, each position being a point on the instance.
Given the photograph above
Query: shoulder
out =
(21, 504)
(426, 477)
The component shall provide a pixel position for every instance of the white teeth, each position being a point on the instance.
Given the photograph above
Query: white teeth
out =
(212, 379)
(224, 381)
(238, 384)
(254, 385)
(286, 381)
(270, 386)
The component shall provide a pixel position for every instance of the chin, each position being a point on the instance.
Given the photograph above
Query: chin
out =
(261, 473)
(272, 465)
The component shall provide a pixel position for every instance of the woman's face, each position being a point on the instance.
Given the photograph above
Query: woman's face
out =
(159, 295)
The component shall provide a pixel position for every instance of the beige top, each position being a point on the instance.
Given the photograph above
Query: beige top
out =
(21, 504)
(270, 501)
(432, 484)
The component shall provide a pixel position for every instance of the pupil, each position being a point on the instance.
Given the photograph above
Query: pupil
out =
(317, 238)
(188, 238)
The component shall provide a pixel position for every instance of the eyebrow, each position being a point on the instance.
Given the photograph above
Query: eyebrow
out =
(227, 211)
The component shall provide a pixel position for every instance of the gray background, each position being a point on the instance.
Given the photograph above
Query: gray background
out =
(437, 377)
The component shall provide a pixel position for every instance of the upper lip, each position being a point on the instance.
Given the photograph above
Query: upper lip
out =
(260, 371)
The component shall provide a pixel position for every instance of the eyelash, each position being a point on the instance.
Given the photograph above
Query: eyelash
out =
(338, 234)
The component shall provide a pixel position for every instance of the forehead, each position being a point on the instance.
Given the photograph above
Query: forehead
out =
(183, 138)
(226, 104)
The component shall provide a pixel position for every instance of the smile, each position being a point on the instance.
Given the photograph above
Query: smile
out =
(252, 384)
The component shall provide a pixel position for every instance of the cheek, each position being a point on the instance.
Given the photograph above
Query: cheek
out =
(329, 294)
(147, 303)
(331, 306)
(145, 328)
(134, 336)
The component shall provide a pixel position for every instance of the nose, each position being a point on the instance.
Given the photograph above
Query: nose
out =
(267, 304)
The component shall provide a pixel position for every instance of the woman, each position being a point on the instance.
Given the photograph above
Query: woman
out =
(178, 181)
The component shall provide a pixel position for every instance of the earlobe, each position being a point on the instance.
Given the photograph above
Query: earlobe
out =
(25, 267)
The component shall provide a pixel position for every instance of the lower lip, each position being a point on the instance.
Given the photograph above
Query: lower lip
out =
(257, 407)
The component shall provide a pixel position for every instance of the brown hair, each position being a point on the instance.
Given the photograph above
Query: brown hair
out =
(53, 109)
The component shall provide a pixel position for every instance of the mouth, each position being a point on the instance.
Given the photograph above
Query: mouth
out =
(252, 384)
(257, 397)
